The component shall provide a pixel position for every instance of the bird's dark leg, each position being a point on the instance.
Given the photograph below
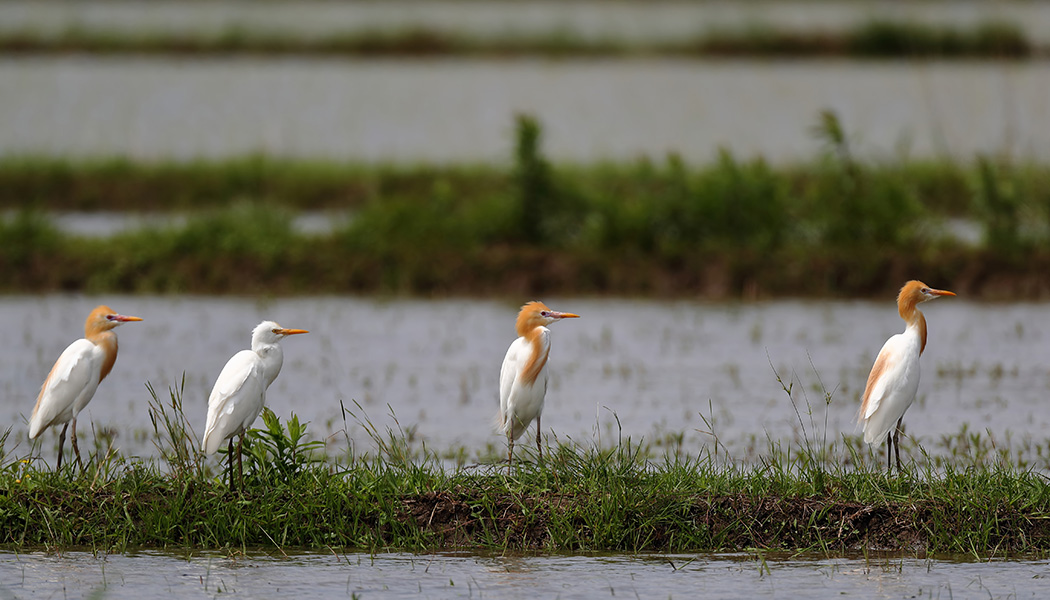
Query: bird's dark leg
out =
(510, 450)
(240, 466)
(61, 442)
(897, 443)
(229, 455)
(73, 440)
(539, 430)
(889, 452)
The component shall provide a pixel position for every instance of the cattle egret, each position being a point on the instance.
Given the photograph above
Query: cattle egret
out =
(894, 379)
(523, 378)
(73, 380)
(239, 393)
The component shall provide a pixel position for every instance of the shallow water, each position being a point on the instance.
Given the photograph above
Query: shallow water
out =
(658, 367)
(449, 111)
(106, 224)
(327, 575)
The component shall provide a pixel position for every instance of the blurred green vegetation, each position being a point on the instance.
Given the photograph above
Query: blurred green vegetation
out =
(878, 38)
(733, 228)
(118, 184)
(890, 38)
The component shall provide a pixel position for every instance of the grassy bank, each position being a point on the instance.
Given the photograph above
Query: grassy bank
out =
(833, 226)
(580, 499)
(882, 39)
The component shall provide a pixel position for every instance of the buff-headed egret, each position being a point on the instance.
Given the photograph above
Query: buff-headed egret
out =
(894, 379)
(75, 376)
(523, 378)
(239, 393)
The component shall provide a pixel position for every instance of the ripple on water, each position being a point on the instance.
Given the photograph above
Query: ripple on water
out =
(455, 575)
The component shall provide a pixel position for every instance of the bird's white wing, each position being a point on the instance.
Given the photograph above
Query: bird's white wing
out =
(891, 387)
(236, 396)
(517, 354)
(74, 374)
(881, 373)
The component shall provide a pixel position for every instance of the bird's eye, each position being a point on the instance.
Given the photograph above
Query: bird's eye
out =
(925, 290)
(544, 313)
(111, 317)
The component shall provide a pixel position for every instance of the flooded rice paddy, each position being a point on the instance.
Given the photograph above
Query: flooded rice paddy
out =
(658, 370)
(332, 574)
(645, 369)
(449, 111)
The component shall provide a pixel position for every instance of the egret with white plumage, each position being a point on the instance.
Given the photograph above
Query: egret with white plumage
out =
(523, 378)
(894, 378)
(73, 379)
(239, 393)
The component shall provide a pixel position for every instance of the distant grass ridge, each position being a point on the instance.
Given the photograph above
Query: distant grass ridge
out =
(882, 39)
(619, 499)
(733, 228)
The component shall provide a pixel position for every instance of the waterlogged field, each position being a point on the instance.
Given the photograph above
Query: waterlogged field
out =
(333, 574)
(444, 111)
(676, 376)
(387, 384)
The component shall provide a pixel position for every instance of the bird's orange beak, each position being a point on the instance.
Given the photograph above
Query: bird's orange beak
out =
(560, 315)
(290, 331)
(941, 293)
(124, 318)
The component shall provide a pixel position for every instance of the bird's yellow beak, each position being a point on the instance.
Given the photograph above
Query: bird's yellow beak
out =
(560, 315)
(124, 318)
(942, 293)
(290, 331)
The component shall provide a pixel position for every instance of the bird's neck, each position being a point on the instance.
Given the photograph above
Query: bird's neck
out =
(538, 357)
(107, 341)
(272, 357)
(917, 321)
(527, 325)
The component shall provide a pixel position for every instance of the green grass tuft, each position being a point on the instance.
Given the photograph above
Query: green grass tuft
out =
(814, 495)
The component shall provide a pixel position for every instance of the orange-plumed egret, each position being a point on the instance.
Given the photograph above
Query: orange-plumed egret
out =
(523, 378)
(894, 379)
(239, 393)
(73, 380)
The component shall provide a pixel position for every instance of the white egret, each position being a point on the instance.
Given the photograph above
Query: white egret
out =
(239, 393)
(894, 379)
(75, 376)
(523, 378)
